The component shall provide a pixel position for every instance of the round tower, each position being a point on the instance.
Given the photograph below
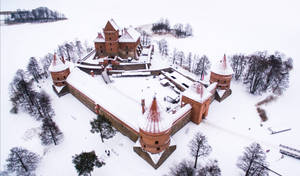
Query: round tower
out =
(154, 129)
(59, 71)
(222, 74)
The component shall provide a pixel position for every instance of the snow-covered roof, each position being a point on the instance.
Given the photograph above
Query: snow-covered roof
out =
(155, 119)
(114, 24)
(57, 65)
(129, 35)
(99, 38)
(197, 92)
(112, 100)
(212, 86)
(222, 67)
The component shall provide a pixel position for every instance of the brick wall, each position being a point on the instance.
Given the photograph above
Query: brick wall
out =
(118, 124)
(222, 80)
(59, 78)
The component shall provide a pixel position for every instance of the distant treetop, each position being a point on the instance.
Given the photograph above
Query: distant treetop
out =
(39, 15)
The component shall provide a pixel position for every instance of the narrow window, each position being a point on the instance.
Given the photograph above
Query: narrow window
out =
(158, 148)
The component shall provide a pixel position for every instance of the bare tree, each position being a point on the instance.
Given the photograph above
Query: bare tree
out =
(43, 104)
(50, 132)
(189, 60)
(180, 57)
(163, 47)
(34, 69)
(22, 162)
(253, 162)
(238, 64)
(21, 92)
(46, 62)
(202, 66)
(199, 147)
(174, 56)
(145, 39)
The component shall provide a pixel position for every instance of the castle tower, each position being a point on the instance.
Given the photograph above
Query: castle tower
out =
(222, 74)
(154, 129)
(59, 72)
(199, 98)
(111, 34)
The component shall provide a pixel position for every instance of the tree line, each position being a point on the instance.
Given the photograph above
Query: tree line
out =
(39, 15)
(262, 72)
(179, 30)
(199, 65)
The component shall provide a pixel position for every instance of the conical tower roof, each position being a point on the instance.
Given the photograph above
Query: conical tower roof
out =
(155, 120)
(222, 67)
(57, 65)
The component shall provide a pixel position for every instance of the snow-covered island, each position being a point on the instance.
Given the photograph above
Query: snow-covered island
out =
(157, 98)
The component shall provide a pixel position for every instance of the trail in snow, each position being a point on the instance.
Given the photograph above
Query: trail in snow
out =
(240, 135)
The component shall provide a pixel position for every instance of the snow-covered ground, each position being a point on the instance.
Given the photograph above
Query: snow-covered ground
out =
(219, 27)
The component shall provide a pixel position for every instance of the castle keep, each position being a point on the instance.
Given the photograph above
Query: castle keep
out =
(114, 41)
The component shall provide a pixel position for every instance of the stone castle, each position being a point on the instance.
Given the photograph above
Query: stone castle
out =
(153, 130)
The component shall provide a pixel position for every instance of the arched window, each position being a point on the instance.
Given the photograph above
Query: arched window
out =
(156, 142)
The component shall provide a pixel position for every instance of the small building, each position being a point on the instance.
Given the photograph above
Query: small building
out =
(114, 41)
(199, 98)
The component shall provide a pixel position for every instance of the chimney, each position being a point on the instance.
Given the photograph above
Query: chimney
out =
(224, 62)
(200, 89)
(92, 73)
(143, 105)
(54, 59)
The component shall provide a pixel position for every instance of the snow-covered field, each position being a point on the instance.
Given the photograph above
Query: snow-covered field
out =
(219, 27)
